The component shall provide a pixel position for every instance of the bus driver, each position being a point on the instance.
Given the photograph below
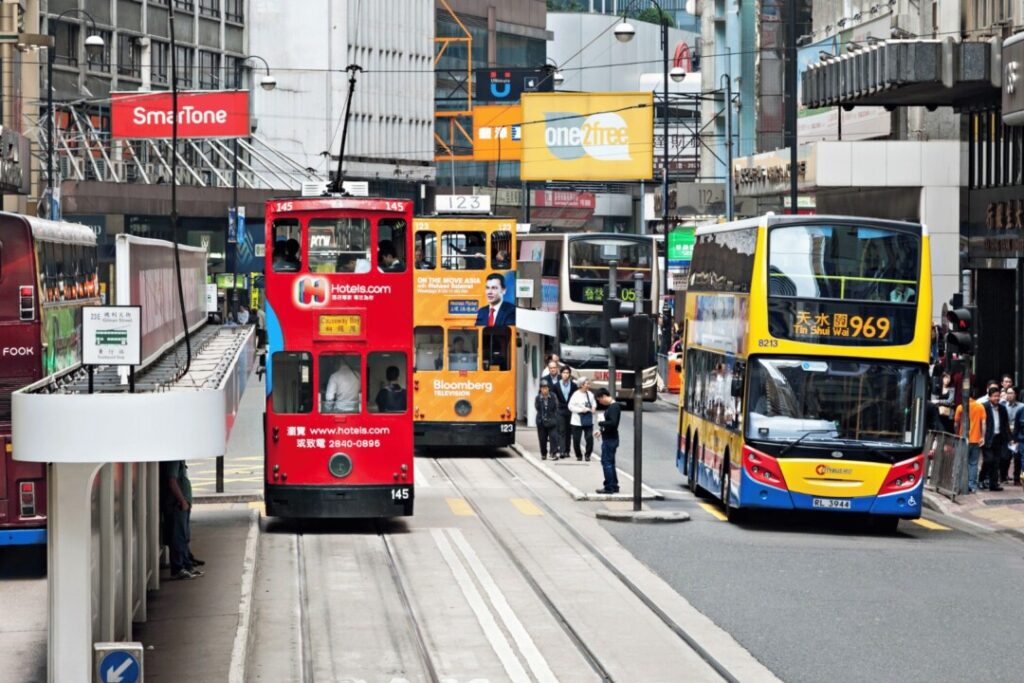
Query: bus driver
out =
(342, 393)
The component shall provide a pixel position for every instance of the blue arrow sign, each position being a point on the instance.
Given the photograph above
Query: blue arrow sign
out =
(119, 667)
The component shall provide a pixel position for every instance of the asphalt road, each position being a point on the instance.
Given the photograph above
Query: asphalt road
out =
(824, 598)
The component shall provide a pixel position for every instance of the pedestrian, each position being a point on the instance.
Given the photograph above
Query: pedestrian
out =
(583, 406)
(975, 437)
(178, 508)
(988, 386)
(261, 328)
(1013, 414)
(996, 430)
(943, 399)
(243, 315)
(547, 421)
(564, 390)
(609, 440)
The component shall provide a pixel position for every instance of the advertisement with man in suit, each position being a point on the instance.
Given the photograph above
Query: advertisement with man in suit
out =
(497, 312)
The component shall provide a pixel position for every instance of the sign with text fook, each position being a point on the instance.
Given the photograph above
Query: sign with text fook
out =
(201, 114)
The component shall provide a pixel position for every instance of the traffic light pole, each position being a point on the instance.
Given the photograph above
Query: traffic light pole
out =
(638, 402)
(613, 293)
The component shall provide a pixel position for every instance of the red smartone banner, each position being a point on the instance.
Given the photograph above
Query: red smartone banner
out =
(201, 114)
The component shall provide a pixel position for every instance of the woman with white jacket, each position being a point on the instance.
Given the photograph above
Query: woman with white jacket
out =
(583, 407)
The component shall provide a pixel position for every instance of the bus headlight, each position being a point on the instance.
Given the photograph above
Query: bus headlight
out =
(463, 407)
(340, 465)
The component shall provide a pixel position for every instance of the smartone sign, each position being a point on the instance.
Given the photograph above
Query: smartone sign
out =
(201, 114)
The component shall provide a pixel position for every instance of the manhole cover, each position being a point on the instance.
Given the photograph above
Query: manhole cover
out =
(1004, 501)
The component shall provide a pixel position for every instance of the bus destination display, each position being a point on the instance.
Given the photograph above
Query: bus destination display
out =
(340, 325)
(843, 324)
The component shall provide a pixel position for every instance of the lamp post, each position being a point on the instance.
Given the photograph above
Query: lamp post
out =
(624, 32)
(268, 83)
(93, 46)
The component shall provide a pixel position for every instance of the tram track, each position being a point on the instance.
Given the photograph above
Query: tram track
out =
(515, 482)
(305, 645)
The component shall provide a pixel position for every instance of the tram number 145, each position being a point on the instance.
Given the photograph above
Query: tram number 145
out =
(399, 494)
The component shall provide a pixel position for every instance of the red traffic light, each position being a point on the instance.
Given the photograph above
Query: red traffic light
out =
(959, 319)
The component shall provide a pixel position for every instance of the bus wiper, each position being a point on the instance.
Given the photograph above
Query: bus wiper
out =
(792, 444)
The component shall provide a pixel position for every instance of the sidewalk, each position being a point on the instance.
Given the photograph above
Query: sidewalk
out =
(992, 511)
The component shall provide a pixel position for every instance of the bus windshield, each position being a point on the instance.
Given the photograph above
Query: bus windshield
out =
(589, 259)
(835, 401)
(580, 337)
(847, 262)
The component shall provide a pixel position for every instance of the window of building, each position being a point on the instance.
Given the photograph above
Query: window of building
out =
(65, 36)
(129, 56)
(293, 382)
(234, 10)
(232, 71)
(426, 250)
(340, 245)
(428, 343)
(391, 245)
(464, 250)
(209, 70)
(183, 55)
(287, 238)
(386, 382)
(101, 61)
(185, 5)
(462, 349)
(160, 61)
(340, 386)
(209, 8)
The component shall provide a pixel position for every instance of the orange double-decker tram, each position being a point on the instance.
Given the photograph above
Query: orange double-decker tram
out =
(464, 337)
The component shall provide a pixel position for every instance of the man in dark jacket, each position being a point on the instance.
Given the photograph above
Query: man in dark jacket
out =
(563, 390)
(997, 429)
(547, 422)
(609, 440)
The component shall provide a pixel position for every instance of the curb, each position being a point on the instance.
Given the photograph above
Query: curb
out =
(213, 498)
(939, 503)
(244, 631)
(643, 516)
(575, 493)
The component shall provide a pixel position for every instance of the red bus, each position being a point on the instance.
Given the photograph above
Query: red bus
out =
(338, 302)
(47, 274)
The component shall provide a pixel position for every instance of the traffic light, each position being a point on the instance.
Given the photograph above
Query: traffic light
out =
(628, 337)
(960, 338)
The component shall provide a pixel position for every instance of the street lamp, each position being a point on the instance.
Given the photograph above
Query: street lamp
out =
(624, 33)
(94, 45)
(268, 83)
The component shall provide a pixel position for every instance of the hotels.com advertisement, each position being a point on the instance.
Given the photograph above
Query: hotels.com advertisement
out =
(201, 114)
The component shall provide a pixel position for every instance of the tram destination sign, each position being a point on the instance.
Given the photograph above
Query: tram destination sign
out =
(112, 335)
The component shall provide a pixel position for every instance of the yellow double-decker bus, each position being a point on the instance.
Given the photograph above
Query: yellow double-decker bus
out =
(464, 339)
(805, 365)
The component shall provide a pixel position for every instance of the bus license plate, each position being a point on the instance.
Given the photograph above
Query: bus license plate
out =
(831, 503)
(340, 325)
(602, 375)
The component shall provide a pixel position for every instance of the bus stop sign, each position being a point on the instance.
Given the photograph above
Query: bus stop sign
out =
(118, 662)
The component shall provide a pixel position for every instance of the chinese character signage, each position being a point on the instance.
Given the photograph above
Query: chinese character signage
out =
(111, 335)
(826, 322)
(680, 246)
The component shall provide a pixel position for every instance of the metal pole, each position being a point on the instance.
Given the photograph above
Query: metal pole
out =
(613, 293)
(730, 208)
(791, 102)
(638, 406)
(664, 151)
(234, 249)
(49, 130)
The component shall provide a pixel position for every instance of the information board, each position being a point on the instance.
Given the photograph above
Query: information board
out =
(112, 335)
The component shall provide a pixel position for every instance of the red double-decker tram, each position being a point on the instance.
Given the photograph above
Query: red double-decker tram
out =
(338, 423)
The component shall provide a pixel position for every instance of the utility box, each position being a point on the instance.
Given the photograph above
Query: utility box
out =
(117, 662)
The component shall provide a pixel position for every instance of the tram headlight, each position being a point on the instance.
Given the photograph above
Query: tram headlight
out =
(463, 407)
(340, 465)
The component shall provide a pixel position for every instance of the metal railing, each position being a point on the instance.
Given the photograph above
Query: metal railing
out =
(947, 455)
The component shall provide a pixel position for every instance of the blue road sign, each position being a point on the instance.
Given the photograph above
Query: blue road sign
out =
(119, 667)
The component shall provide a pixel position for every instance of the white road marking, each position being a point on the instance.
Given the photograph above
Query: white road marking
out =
(419, 473)
(499, 643)
(527, 647)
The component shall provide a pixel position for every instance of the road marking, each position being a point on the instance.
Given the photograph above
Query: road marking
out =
(260, 506)
(526, 507)
(492, 631)
(538, 665)
(929, 524)
(714, 511)
(460, 507)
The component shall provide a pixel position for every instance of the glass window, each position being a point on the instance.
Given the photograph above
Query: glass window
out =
(723, 261)
(386, 381)
(497, 342)
(714, 383)
(209, 70)
(286, 255)
(161, 60)
(462, 349)
(65, 35)
(391, 245)
(293, 382)
(101, 61)
(183, 56)
(426, 250)
(339, 383)
(501, 250)
(428, 343)
(552, 259)
(339, 245)
(186, 5)
(847, 262)
(129, 56)
(464, 250)
(234, 10)
(209, 8)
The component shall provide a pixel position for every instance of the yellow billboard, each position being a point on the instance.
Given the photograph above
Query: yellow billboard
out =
(588, 136)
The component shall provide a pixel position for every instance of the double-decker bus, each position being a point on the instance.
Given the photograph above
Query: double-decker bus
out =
(805, 365)
(576, 266)
(338, 297)
(47, 274)
(464, 342)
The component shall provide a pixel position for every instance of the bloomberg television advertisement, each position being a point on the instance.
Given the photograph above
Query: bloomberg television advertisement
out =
(588, 136)
(201, 114)
(146, 278)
